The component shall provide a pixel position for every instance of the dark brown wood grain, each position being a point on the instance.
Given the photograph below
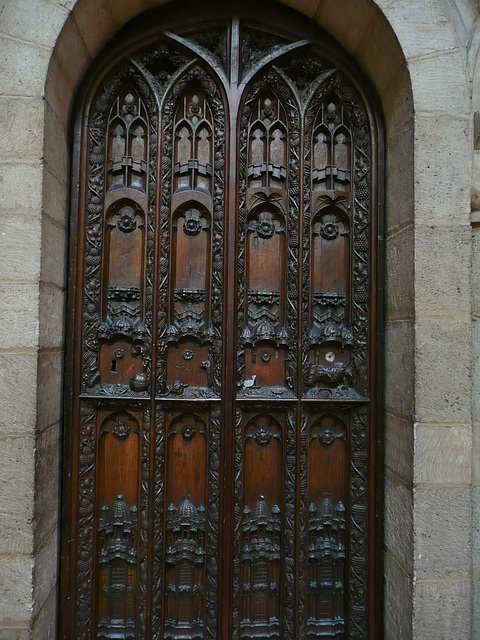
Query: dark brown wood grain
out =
(222, 442)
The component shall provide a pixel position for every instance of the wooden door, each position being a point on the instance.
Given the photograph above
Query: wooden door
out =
(221, 391)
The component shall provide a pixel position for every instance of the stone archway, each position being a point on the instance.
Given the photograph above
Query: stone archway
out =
(374, 44)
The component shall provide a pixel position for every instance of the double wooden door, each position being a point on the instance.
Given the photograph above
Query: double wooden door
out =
(219, 447)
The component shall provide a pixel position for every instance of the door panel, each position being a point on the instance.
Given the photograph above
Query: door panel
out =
(220, 412)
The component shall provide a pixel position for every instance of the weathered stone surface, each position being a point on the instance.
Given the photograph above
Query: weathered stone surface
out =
(476, 561)
(438, 85)
(40, 26)
(308, 7)
(354, 24)
(443, 373)
(399, 275)
(45, 622)
(18, 389)
(47, 483)
(24, 68)
(21, 128)
(15, 588)
(475, 273)
(50, 388)
(442, 519)
(442, 610)
(443, 454)
(399, 183)
(20, 248)
(19, 316)
(399, 367)
(45, 571)
(442, 180)
(14, 634)
(55, 197)
(442, 270)
(17, 495)
(399, 520)
(57, 151)
(399, 446)
(476, 382)
(95, 24)
(51, 315)
(20, 188)
(409, 19)
(398, 601)
(54, 253)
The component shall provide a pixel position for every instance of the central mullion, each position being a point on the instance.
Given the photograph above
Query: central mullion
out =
(229, 345)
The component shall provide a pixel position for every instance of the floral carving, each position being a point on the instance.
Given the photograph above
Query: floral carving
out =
(121, 430)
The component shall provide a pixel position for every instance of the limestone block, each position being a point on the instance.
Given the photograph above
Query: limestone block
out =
(16, 495)
(15, 588)
(475, 273)
(56, 151)
(20, 188)
(68, 63)
(18, 392)
(476, 382)
(442, 518)
(442, 610)
(71, 51)
(398, 601)
(45, 622)
(356, 15)
(14, 634)
(399, 287)
(443, 454)
(54, 250)
(45, 571)
(19, 316)
(50, 388)
(421, 28)
(476, 451)
(308, 7)
(438, 83)
(400, 180)
(20, 247)
(443, 152)
(51, 316)
(47, 482)
(476, 560)
(442, 270)
(41, 26)
(399, 520)
(24, 68)
(399, 446)
(399, 367)
(443, 372)
(476, 181)
(95, 24)
(380, 54)
(68, 4)
(55, 196)
(21, 127)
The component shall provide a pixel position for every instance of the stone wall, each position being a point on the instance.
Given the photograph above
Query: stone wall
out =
(421, 57)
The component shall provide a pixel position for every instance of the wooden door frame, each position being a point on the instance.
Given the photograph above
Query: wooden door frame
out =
(139, 32)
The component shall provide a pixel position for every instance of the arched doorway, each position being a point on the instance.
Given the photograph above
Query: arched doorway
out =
(221, 423)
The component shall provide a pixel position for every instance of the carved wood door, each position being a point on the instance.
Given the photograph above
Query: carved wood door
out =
(220, 412)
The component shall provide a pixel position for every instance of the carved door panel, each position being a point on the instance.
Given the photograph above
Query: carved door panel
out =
(220, 413)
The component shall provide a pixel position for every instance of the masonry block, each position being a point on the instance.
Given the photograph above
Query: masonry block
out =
(442, 519)
(443, 454)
